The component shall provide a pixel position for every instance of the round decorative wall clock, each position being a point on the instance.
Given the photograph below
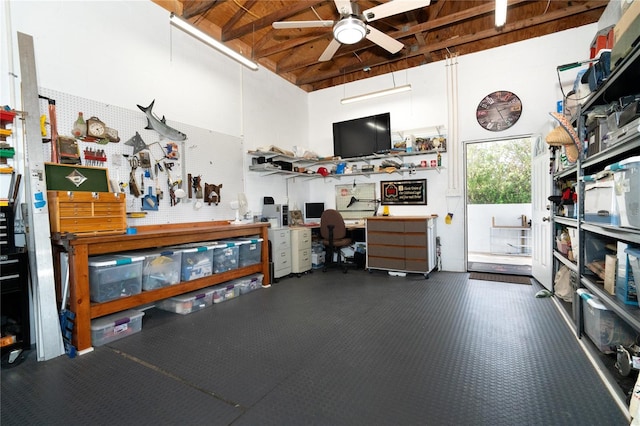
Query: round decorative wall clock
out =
(499, 110)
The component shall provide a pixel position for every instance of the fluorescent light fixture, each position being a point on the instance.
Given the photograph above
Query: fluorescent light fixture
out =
(349, 30)
(501, 12)
(207, 39)
(377, 94)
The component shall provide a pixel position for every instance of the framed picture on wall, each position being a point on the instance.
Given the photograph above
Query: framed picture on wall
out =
(403, 192)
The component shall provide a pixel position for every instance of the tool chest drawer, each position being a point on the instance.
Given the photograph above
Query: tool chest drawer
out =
(10, 277)
(86, 213)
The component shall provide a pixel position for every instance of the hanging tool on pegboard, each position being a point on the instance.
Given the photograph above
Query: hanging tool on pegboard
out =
(53, 125)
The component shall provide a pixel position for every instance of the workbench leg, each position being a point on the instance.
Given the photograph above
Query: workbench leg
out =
(79, 299)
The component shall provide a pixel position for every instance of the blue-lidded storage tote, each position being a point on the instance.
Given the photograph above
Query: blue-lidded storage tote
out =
(113, 276)
(160, 268)
(225, 255)
(197, 262)
(250, 252)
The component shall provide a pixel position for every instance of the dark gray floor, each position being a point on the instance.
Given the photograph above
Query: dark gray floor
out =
(330, 349)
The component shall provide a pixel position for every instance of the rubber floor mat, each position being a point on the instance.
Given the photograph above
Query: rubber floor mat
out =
(511, 279)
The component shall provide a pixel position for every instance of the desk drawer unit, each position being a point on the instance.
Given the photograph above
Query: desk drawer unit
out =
(280, 239)
(401, 244)
(300, 250)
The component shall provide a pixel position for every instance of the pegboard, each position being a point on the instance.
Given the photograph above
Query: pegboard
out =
(215, 157)
(364, 193)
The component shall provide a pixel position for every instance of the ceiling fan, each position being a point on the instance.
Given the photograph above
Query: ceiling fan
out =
(353, 26)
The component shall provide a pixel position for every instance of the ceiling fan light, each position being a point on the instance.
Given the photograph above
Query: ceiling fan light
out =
(349, 30)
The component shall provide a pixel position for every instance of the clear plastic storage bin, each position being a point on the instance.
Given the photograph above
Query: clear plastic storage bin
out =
(225, 256)
(160, 268)
(249, 283)
(197, 262)
(224, 292)
(250, 252)
(116, 326)
(114, 276)
(603, 326)
(627, 188)
(600, 204)
(188, 302)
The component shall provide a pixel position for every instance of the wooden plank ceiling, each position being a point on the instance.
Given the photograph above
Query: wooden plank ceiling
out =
(429, 34)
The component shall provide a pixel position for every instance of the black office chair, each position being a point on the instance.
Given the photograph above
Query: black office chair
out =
(334, 237)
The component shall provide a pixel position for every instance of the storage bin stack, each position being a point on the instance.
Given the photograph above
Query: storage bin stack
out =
(317, 255)
(114, 276)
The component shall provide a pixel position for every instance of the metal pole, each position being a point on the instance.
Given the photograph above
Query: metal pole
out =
(47, 326)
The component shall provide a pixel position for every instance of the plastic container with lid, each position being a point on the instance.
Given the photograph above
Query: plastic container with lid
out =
(250, 251)
(197, 262)
(225, 255)
(115, 326)
(626, 179)
(160, 268)
(114, 276)
(603, 326)
(187, 303)
(249, 283)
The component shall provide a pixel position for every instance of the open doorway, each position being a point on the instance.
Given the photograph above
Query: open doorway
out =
(498, 205)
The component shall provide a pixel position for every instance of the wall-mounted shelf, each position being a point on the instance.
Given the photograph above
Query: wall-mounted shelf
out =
(270, 168)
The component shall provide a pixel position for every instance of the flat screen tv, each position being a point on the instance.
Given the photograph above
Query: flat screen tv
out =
(362, 136)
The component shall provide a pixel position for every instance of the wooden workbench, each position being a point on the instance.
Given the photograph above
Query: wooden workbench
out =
(80, 248)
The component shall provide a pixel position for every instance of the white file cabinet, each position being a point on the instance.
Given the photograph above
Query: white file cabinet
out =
(300, 250)
(280, 239)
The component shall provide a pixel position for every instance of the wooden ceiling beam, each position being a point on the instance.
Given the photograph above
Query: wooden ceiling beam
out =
(283, 46)
(522, 24)
(420, 28)
(197, 7)
(267, 20)
(238, 15)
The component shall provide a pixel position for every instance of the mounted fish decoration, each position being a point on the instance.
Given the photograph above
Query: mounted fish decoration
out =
(160, 126)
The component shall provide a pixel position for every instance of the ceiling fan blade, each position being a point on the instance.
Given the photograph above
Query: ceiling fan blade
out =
(301, 24)
(344, 7)
(381, 39)
(331, 50)
(393, 8)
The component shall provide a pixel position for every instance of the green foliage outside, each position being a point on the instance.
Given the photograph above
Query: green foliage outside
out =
(499, 172)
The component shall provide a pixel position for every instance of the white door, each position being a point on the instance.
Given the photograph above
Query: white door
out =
(541, 181)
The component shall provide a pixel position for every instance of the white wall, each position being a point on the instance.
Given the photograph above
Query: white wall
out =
(526, 68)
(479, 223)
(125, 53)
(138, 57)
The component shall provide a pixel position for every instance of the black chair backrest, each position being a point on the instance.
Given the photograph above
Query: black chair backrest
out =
(332, 217)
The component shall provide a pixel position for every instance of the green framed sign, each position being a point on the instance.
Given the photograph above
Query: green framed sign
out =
(403, 192)
(64, 177)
